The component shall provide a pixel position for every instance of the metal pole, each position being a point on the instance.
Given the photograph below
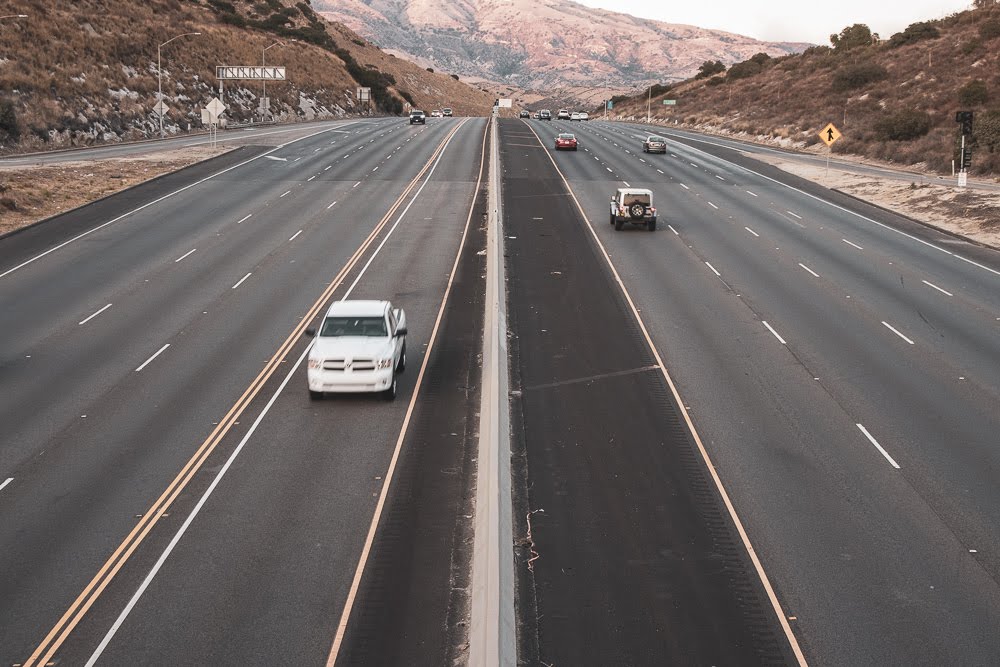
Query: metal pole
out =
(263, 83)
(649, 93)
(159, 88)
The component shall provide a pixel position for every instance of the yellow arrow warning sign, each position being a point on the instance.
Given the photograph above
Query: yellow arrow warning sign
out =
(829, 134)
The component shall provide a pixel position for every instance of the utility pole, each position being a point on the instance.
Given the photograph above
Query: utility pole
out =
(649, 95)
(159, 73)
(264, 106)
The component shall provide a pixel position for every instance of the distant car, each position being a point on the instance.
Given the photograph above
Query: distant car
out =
(563, 115)
(418, 116)
(584, 115)
(575, 116)
(544, 114)
(524, 114)
(635, 206)
(446, 111)
(566, 142)
(436, 113)
(654, 144)
(360, 347)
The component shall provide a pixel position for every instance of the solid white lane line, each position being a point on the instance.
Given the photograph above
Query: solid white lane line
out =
(776, 334)
(671, 228)
(713, 205)
(331, 205)
(750, 193)
(158, 353)
(937, 288)
(6, 482)
(794, 215)
(185, 255)
(713, 269)
(294, 235)
(244, 218)
(815, 275)
(752, 231)
(853, 244)
(240, 282)
(310, 178)
(286, 192)
(87, 319)
(868, 435)
(684, 186)
(966, 260)
(896, 331)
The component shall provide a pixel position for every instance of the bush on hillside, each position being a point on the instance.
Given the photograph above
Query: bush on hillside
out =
(852, 37)
(986, 130)
(850, 77)
(710, 68)
(989, 29)
(903, 125)
(715, 81)
(915, 32)
(744, 70)
(9, 128)
(973, 93)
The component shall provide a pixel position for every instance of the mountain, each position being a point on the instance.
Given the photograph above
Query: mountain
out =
(86, 72)
(542, 44)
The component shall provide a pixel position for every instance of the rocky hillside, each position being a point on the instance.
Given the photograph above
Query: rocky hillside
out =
(894, 99)
(542, 44)
(85, 72)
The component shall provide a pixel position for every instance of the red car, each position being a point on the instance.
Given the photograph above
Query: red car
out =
(566, 141)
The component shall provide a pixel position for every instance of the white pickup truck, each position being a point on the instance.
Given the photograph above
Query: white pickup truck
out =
(360, 347)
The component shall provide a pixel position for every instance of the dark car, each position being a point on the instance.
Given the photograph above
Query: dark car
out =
(566, 142)
(524, 114)
(418, 116)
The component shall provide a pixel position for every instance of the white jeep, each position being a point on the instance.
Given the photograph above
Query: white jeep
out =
(635, 206)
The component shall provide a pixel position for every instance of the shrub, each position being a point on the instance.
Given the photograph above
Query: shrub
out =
(986, 130)
(659, 89)
(903, 125)
(989, 29)
(973, 93)
(406, 96)
(709, 68)
(971, 47)
(850, 77)
(455, 77)
(760, 58)
(852, 37)
(8, 120)
(715, 81)
(430, 69)
(744, 70)
(915, 32)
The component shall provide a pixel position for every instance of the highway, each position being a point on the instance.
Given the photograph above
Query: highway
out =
(840, 367)
(765, 433)
(173, 496)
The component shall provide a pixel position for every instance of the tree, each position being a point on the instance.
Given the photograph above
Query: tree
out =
(852, 37)
(983, 4)
(8, 120)
(710, 68)
(973, 93)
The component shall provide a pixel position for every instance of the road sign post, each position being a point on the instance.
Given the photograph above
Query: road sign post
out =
(829, 135)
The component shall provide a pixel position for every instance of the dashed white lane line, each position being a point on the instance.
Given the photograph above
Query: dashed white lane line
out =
(6, 482)
(713, 206)
(608, 168)
(188, 253)
(751, 193)
(673, 155)
(794, 215)
(296, 159)
(896, 331)
(713, 269)
(671, 228)
(294, 235)
(852, 244)
(327, 168)
(286, 192)
(626, 184)
(868, 435)
(752, 231)
(331, 205)
(719, 177)
(814, 274)
(660, 170)
(937, 288)
(87, 319)
(310, 178)
(240, 281)
(641, 160)
(376, 168)
(158, 353)
(776, 334)
(356, 184)
(693, 165)
(346, 156)
(684, 186)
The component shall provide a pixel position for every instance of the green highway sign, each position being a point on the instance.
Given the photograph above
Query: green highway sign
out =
(670, 102)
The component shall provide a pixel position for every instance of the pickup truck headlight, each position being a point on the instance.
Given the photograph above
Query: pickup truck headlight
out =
(315, 363)
(384, 363)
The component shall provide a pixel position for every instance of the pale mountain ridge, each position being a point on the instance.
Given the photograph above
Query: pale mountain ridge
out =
(543, 44)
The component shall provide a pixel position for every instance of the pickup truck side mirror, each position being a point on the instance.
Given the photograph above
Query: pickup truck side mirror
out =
(311, 332)
(400, 331)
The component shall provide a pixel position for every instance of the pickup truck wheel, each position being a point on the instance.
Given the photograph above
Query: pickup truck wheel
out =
(619, 224)
(315, 395)
(612, 218)
(636, 211)
(401, 366)
(390, 393)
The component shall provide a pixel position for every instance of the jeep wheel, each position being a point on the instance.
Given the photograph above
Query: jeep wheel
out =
(651, 225)
(612, 218)
(619, 224)
(636, 211)
(315, 395)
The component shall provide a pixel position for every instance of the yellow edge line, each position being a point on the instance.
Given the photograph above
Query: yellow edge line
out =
(775, 604)
(345, 615)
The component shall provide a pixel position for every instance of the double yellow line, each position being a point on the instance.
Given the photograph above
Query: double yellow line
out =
(58, 634)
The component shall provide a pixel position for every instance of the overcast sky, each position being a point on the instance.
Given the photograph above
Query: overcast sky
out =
(788, 20)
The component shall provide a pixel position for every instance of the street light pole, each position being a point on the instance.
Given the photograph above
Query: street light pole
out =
(159, 73)
(649, 94)
(263, 100)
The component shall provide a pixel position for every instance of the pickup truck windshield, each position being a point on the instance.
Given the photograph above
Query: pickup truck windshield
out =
(354, 326)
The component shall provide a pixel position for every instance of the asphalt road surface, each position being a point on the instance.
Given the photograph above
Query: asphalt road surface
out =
(764, 433)
(175, 497)
(840, 366)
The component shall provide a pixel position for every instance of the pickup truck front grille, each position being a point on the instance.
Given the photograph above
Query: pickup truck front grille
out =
(355, 365)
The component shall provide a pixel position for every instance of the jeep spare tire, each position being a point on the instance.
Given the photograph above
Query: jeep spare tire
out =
(636, 211)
